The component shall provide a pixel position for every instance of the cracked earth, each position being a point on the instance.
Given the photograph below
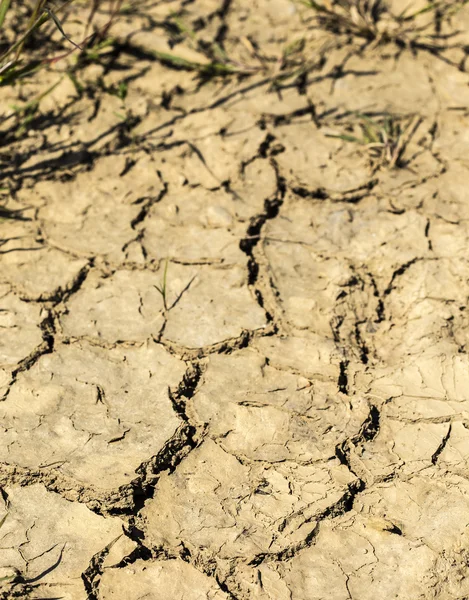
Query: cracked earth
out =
(289, 420)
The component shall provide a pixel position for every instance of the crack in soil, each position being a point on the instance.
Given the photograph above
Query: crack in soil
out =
(256, 278)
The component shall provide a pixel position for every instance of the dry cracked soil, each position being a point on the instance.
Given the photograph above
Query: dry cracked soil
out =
(234, 348)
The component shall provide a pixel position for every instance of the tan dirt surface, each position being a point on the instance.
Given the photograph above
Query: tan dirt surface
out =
(234, 345)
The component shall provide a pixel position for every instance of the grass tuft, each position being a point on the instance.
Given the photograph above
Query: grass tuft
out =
(17, 61)
(384, 138)
(374, 21)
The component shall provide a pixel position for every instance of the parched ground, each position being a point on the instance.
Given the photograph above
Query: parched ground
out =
(233, 348)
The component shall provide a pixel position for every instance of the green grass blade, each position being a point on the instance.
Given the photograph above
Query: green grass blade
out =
(17, 46)
(176, 61)
(14, 73)
(366, 118)
(210, 69)
(4, 6)
(58, 24)
(165, 276)
(162, 289)
(315, 5)
(345, 138)
(183, 27)
(371, 132)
